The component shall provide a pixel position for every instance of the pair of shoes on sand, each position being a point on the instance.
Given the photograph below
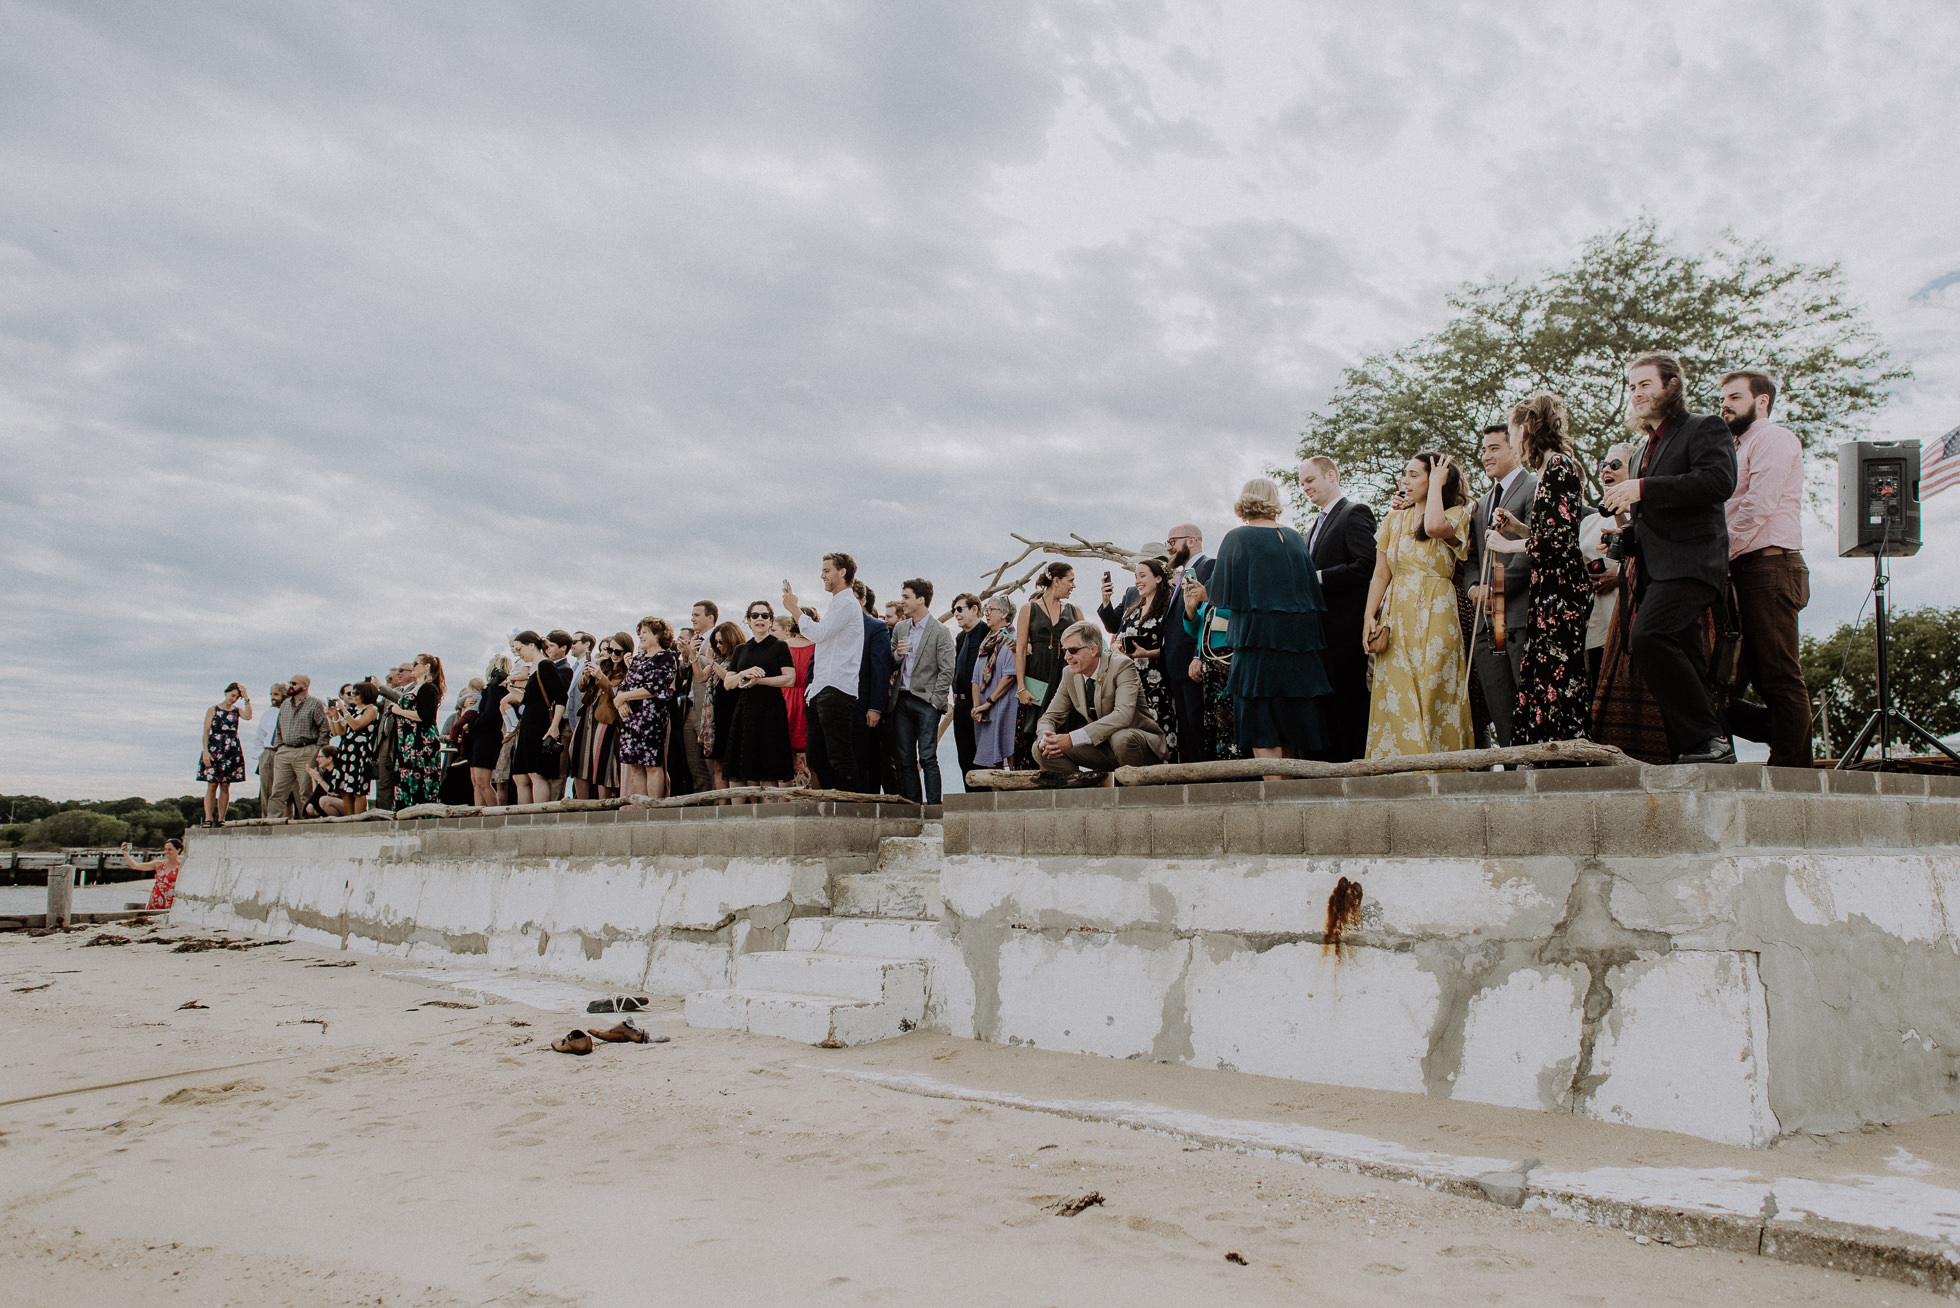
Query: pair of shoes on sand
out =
(617, 1004)
(580, 1042)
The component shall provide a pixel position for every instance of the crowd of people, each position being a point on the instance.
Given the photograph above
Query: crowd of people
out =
(1510, 611)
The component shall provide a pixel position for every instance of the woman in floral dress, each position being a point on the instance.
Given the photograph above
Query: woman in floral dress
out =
(418, 740)
(1211, 628)
(223, 760)
(644, 699)
(1418, 705)
(1141, 637)
(358, 724)
(1554, 686)
(163, 892)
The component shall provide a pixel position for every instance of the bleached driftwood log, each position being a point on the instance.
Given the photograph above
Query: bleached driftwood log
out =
(800, 793)
(1586, 752)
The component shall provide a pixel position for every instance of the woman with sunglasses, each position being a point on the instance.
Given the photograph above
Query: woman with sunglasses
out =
(1601, 571)
(595, 740)
(1141, 638)
(757, 750)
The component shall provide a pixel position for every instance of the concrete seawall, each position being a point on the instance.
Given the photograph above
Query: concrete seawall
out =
(1735, 953)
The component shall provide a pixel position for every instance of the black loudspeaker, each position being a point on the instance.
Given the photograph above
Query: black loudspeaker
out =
(1878, 499)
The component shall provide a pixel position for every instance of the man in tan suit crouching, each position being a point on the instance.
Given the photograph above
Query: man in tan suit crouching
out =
(1103, 692)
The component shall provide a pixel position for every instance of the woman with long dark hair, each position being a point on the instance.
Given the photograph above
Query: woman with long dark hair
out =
(1141, 638)
(357, 721)
(223, 759)
(163, 893)
(541, 718)
(1038, 651)
(418, 742)
(1554, 689)
(484, 738)
(723, 641)
(595, 740)
(1417, 705)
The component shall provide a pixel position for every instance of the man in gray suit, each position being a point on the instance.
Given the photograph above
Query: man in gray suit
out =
(1103, 692)
(1512, 489)
(922, 688)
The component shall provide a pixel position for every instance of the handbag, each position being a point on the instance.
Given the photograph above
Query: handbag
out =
(1725, 660)
(1378, 643)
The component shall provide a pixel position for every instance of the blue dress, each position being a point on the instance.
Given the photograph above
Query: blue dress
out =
(1278, 684)
(993, 739)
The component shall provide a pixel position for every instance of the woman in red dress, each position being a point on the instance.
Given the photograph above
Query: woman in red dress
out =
(164, 893)
(802, 651)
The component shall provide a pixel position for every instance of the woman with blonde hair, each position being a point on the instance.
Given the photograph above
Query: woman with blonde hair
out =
(1265, 578)
(1554, 686)
(643, 701)
(1411, 625)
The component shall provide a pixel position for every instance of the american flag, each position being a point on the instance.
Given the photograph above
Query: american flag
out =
(1939, 465)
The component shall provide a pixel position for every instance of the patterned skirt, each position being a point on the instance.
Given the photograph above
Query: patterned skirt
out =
(418, 766)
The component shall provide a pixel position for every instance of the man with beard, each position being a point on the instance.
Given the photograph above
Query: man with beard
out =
(1772, 585)
(1679, 539)
(1341, 539)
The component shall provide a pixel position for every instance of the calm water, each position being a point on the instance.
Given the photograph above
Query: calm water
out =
(88, 899)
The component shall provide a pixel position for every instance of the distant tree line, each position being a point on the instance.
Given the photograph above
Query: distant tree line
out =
(1842, 673)
(33, 822)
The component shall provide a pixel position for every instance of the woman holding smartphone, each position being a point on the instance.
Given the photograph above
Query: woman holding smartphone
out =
(1141, 637)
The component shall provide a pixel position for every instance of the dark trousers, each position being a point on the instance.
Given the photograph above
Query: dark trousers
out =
(915, 745)
(873, 761)
(1667, 651)
(1499, 675)
(1190, 706)
(1770, 590)
(1347, 708)
(963, 744)
(829, 719)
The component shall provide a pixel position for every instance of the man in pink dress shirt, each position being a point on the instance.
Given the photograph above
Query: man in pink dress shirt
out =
(1772, 585)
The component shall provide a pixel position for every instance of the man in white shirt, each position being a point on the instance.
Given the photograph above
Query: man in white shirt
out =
(831, 697)
(262, 728)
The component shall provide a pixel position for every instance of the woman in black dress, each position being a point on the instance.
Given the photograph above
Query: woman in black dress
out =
(533, 766)
(722, 644)
(484, 738)
(1141, 637)
(757, 749)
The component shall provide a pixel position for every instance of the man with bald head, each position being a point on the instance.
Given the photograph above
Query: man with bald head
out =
(296, 738)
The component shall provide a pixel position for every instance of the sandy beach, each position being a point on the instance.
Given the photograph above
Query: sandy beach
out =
(326, 1130)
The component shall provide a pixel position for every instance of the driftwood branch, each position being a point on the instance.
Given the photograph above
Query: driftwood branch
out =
(1000, 779)
(802, 793)
(1075, 547)
(1584, 752)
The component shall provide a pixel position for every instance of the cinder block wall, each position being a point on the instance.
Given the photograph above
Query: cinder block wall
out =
(659, 900)
(1730, 952)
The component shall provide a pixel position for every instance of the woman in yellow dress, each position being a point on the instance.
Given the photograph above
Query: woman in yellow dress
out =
(1418, 704)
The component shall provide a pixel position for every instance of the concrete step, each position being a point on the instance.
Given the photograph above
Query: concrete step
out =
(913, 895)
(880, 938)
(898, 981)
(918, 855)
(830, 1021)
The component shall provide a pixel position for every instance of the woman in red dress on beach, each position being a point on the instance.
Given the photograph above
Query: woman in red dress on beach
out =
(802, 652)
(164, 893)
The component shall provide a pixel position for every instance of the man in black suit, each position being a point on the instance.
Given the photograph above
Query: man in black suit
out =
(1342, 540)
(1184, 556)
(1680, 538)
(874, 773)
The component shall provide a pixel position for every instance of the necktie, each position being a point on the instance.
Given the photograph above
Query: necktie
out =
(1089, 696)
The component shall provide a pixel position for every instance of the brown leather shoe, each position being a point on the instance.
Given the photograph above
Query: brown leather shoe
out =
(578, 1042)
(624, 1031)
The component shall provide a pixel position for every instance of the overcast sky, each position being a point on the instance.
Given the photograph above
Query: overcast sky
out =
(332, 333)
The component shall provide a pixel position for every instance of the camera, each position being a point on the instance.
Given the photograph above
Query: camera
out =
(1614, 543)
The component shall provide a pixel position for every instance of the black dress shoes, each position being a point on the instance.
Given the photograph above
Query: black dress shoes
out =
(1716, 749)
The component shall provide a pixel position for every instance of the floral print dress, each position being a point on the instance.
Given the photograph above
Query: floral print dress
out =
(1418, 705)
(643, 736)
(227, 759)
(418, 756)
(1555, 690)
(353, 767)
(1157, 702)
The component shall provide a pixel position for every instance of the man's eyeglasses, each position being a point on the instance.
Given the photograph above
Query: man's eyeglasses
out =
(1070, 651)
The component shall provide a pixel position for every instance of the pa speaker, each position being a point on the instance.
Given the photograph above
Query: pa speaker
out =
(1878, 499)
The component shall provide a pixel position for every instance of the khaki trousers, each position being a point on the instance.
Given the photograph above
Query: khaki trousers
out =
(267, 761)
(289, 784)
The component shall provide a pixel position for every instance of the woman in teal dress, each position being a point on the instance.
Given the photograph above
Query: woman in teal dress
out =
(1265, 577)
(1210, 627)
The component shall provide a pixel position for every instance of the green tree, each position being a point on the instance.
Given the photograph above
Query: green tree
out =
(1842, 673)
(152, 826)
(78, 827)
(1574, 329)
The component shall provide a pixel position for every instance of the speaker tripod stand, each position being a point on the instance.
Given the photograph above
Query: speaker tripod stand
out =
(1886, 719)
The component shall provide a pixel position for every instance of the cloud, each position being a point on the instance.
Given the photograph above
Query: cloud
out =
(329, 335)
